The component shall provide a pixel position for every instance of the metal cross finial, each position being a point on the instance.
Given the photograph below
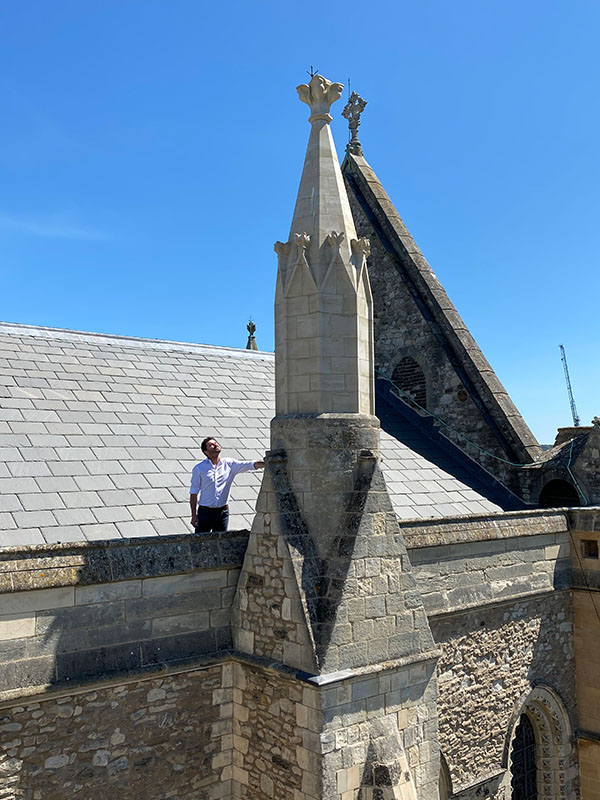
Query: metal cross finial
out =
(352, 111)
(312, 72)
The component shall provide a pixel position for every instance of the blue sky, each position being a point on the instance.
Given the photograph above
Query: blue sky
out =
(150, 153)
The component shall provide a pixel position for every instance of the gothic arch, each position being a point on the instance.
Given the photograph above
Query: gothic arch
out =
(552, 729)
(445, 791)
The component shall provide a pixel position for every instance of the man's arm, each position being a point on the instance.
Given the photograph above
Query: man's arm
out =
(194, 509)
(259, 464)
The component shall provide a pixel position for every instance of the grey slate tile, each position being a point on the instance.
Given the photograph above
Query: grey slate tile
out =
(63, 533)
(34, 519)
(34, 469)
(21, 537)
(80, 499)
(74, 516)
(112, 514)
(136, 528)
(41, 501)
(134, 415)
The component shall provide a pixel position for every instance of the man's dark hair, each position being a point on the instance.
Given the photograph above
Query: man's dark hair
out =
(205, 442)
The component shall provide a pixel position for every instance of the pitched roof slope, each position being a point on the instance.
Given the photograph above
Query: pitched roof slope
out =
(98, 435)
(490, 396)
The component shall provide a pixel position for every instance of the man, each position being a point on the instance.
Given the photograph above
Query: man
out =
(212, 479)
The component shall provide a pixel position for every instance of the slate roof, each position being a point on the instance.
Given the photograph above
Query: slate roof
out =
(98, 435)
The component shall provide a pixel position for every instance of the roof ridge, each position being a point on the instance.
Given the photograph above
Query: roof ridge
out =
(19, 328)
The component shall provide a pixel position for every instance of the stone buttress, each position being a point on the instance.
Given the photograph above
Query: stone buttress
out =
(326, 593)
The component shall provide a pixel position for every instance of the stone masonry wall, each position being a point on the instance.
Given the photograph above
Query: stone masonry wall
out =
(498, 597)
(163, 737)
(276, 736)
(491, 659)
(493, 559)
(382, 722)
(406, 326)
(164, 605)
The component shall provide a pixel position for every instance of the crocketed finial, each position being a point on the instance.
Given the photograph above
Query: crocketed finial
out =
(320, 94)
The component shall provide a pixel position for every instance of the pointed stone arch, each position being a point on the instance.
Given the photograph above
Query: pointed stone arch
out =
(445, 790)
(409, 380)
(553, 732)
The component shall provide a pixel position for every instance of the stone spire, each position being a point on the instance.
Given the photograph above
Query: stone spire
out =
(323, 304)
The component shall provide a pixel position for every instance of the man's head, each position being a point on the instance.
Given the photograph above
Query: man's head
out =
(210, 446)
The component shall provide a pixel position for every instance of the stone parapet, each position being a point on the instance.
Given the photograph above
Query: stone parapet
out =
(457, 530)
(113, 609)
(517, 556)
(82, 563)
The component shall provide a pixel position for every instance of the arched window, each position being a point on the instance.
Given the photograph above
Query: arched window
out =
(558, 494)
(539, 748)
(410, 378)
(445, 781)
(523, 767)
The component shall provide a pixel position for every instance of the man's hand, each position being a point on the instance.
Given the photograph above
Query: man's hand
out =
(259, 464)
(194, 522)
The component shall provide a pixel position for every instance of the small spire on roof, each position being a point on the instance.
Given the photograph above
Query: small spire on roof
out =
(251, 327)
(352, 111)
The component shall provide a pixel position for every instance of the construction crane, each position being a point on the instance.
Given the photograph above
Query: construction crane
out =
(574, 413)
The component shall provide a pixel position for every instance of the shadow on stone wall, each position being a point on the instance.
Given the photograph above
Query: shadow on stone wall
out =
(322, 581)
(125, 716)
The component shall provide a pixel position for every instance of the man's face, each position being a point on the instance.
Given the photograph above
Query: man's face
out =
(213, 448)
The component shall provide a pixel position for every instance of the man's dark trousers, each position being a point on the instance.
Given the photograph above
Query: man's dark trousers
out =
(212, 519)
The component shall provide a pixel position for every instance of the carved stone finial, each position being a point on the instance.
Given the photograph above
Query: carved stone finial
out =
(320, 94)
(251, 328)
(352, 111)
(596, 422)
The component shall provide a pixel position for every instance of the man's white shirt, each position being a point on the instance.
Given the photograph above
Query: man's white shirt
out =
(213, 482)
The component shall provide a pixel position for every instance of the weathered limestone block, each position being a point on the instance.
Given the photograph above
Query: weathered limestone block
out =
(323, 302)
(329, 549)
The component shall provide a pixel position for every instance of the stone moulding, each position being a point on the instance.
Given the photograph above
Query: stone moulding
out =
(547, 712)
(458, 530)
(84, 563)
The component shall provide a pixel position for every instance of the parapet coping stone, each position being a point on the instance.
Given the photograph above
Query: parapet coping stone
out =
(460, 530)
(488, 603)
(46, 566)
